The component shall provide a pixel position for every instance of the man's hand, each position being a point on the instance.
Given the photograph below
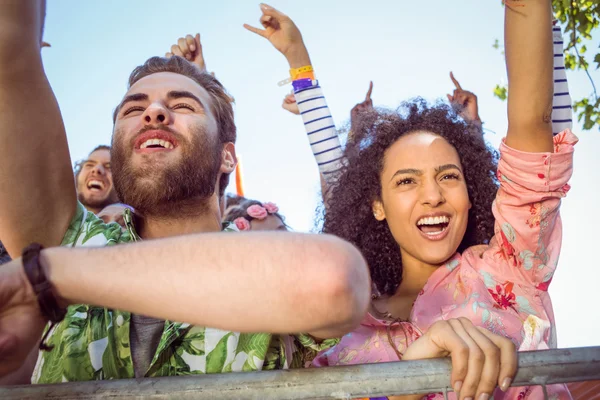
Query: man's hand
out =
(289, 103)
(21, 323)
(283, 34)
(481, 360)
(190, 48)
(464, 102)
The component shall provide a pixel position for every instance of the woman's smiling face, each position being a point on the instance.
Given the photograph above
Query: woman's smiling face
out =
(424, 197)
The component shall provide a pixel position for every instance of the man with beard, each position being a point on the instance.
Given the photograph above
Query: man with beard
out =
(173, 150)
(94, 180)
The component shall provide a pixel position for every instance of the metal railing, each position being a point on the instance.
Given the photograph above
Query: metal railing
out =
(348, 382)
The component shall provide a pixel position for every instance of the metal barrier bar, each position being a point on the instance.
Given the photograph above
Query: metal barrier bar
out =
(348, 382)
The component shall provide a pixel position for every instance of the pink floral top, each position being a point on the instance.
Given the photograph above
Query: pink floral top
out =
(502, 286)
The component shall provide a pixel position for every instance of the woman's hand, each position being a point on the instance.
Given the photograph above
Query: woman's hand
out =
(283, 34)
(481, 360)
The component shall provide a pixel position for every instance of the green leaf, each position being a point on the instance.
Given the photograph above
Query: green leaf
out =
(501, 92)
(215, 360)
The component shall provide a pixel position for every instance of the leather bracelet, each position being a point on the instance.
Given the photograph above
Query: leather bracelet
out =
(42, 288)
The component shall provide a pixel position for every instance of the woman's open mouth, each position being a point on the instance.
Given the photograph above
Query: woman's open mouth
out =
(434, 227)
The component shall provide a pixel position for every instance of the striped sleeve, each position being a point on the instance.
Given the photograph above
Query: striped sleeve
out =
(320, 129)
(562, 112)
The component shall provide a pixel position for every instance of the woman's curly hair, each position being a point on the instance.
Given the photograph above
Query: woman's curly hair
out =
(349, 213)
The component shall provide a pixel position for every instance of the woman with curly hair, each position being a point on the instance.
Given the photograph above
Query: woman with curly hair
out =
(461, 248)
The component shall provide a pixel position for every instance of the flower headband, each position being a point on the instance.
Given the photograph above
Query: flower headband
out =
(255, 211)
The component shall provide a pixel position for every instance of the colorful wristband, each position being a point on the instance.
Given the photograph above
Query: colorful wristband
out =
(295, 72)
(302, 84)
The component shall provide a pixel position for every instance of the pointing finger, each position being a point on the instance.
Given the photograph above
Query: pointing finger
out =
(368, 98)
(259, 32)
(455, 81)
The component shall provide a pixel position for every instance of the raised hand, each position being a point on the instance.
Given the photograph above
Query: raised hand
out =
(465, 102)
(21, 323)
(190, 48)
(283, 34)
(481, 360)
(289, 103)
(367, 104)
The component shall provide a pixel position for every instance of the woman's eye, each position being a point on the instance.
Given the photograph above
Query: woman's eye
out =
(183, 105)
(132, 109)
(450, 176)
(405, 181)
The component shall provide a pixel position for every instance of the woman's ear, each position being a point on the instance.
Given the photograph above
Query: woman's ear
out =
(378, 210)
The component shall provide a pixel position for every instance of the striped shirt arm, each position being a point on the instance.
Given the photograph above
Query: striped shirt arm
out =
(320, 130)
(562, 111)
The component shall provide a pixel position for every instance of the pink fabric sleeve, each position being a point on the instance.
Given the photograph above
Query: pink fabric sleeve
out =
(528, 229)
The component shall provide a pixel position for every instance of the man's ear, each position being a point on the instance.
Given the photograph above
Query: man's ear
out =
(378, 210)
(228, 158)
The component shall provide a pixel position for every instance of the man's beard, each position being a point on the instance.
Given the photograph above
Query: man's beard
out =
(97, 203)
(183, 188)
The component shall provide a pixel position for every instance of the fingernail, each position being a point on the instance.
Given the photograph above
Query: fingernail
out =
(193, 48)
(505, 384)
(484, 396)
(457, 386)
(468, 398)
(266, 7)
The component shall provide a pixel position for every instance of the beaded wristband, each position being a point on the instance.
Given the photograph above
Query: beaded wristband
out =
(42, 288)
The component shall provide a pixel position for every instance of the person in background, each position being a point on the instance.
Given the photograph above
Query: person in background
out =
(93, 176)
(252, 215)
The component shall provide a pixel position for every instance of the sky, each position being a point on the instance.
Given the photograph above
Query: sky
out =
(407, 48)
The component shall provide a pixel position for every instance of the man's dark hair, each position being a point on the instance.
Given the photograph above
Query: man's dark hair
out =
(349, 214)
(221, 101)
(79, 164)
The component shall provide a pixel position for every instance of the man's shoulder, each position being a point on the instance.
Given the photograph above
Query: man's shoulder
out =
(86, 229)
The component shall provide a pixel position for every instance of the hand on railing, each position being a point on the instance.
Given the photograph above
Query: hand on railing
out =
(481, 360)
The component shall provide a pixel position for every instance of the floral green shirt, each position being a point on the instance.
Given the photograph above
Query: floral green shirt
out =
(93, 343)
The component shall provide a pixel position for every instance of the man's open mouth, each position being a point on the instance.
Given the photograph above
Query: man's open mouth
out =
(94, 185)
(157, 144)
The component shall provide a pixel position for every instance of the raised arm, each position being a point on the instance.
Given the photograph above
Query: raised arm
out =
(260, 282)
(38, 191)
(528, 46)
(285, 36)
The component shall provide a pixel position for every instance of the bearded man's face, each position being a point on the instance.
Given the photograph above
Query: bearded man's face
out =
(165, 147)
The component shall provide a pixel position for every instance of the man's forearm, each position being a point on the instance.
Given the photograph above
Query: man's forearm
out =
(259, 282)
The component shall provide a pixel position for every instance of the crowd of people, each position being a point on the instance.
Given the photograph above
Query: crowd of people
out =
(433, 244)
